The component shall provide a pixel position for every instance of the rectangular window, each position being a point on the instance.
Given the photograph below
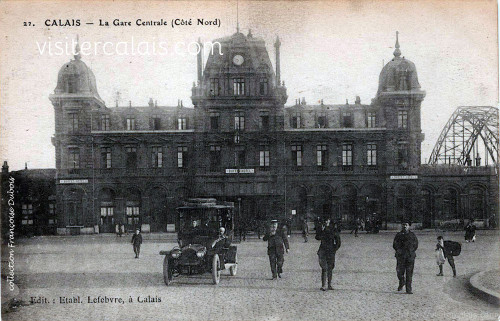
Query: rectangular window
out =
(131, 157)
(132, 215)
(347, 120)
(371, 120)
(296, 119)
(239, 86)
(182, 156)
(130, 123)
(214, 121)
(263, 86)
(214, 87)
(215, 158)
(402, 119)
(105, 122)
(264, 157)
(182, 123)
(371, 154)
(52, 214)
(239, 156)
(239, 121)
(27, 214)
(347, 156)
(157, 157)
(297, 155)
(402, 157)
(74, 158)
(322, 156)
(73, 122)
(321, 119)
(264, 121)
(106, 157)
(107, 211)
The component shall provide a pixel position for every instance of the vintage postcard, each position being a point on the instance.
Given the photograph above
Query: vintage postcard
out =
(249, 160)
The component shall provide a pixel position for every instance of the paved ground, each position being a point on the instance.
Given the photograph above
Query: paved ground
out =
(364, 279)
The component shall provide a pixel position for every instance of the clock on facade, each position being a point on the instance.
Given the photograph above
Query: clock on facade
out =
(238, 60)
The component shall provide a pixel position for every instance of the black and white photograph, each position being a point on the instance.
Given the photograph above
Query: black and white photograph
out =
(249, 160)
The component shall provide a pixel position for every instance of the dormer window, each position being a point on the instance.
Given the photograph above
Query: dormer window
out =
(371, 119)
(296, 119)
(347, 120)
(263, 87)
(105, 122)
(182, 123)
(321, 119)
(239, 86)
(130, 123)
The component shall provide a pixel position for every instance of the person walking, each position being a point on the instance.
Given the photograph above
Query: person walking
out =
(470, 232)
(277, 244)
(444, 251)
(305, 230)
(330, 243)
(137, 241)
(405, 244)
(357, 225)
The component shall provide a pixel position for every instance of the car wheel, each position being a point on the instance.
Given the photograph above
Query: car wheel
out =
(234, 268)
(216, 269)
(167, 271)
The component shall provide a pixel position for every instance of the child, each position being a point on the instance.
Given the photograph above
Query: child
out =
(443, 252)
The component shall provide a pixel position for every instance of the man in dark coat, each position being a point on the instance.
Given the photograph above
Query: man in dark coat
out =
(330, 243)
(137, 241)
(405, 243)
(470, 232)
(277, 243)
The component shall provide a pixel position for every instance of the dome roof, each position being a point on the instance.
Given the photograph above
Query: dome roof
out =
(399, 74)
(75, 77)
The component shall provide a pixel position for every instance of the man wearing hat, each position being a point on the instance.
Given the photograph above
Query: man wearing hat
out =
(330, 243)
(405, 243)
(277, 243)
(137, 241)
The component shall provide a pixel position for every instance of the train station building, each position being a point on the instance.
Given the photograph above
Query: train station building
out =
(242, 142)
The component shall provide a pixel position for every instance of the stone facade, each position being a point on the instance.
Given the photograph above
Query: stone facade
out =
(135, 165)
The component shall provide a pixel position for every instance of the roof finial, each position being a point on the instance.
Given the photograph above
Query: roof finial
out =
(77, 49)
(397, 52)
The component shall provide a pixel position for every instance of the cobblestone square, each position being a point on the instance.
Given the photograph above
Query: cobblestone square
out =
(365, 281)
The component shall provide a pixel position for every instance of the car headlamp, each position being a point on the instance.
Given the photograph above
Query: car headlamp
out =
(176, 254)
(200, 253)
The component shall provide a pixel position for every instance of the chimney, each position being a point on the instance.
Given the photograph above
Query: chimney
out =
(130, 103)
(156, 103)
(358, 100)
(277, 45)
(5, 167)
(150, 103)
(200, 61)
(26, 165)
(303, 100)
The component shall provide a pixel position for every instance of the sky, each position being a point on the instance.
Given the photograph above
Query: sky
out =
(331, 50)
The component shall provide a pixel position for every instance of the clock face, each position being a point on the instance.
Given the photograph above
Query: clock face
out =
(238, 60)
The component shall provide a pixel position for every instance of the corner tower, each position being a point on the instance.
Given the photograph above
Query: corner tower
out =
(399, 96)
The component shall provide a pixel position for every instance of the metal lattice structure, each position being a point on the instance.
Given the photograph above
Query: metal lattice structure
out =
(467, 132)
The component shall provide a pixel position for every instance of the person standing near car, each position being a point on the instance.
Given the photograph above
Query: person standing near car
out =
(405, 243)
(277, 244)
(330, 243)
(136, 242)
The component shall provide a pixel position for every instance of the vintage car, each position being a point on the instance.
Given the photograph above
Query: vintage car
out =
(202, 248)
